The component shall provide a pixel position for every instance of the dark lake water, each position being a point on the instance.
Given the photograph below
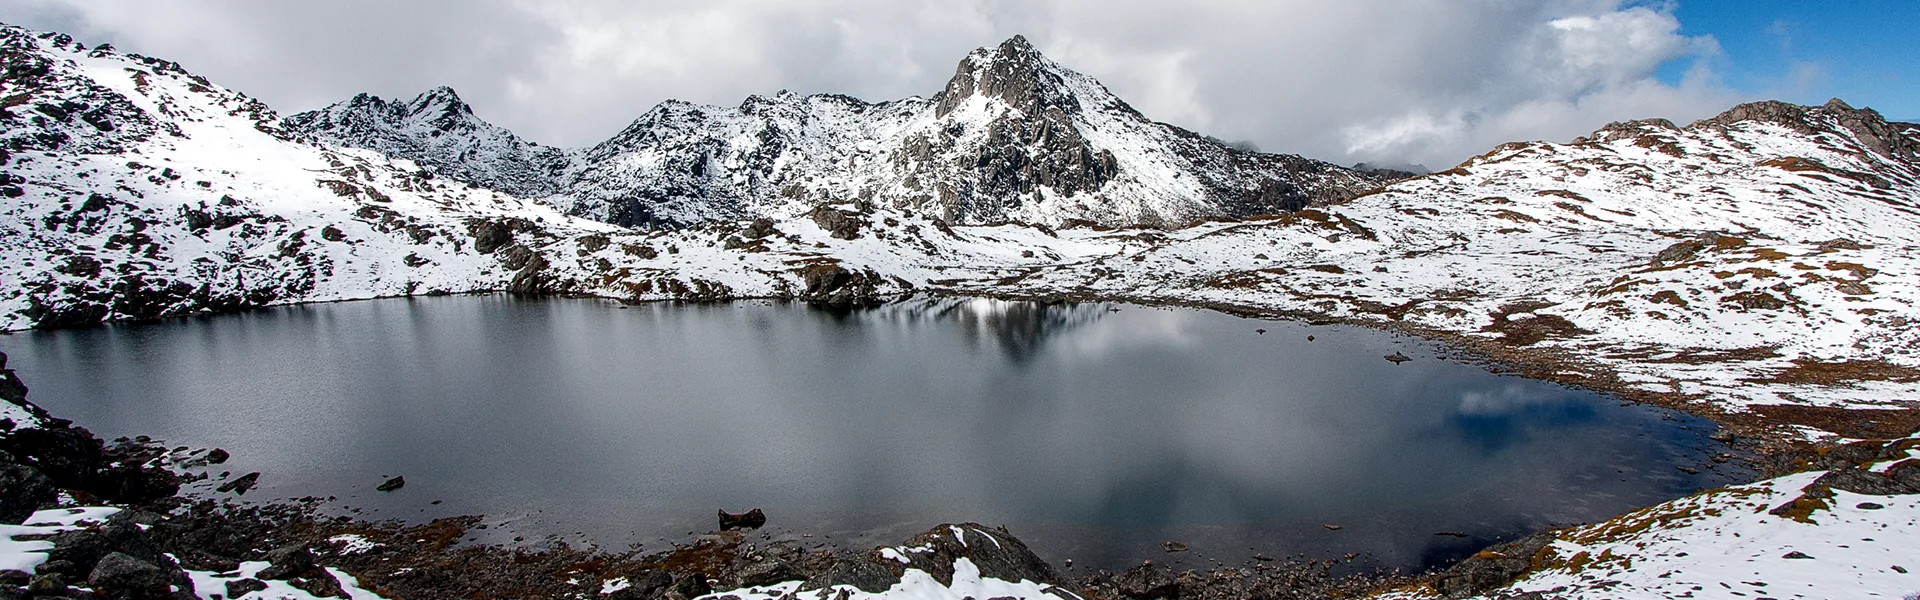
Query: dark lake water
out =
(1094, 432)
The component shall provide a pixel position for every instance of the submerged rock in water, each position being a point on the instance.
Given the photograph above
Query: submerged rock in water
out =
(392, 484)
(241, 484)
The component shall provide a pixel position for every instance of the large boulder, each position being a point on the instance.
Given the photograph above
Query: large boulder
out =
(1493, 567)
(829, 284)
(23, 489)
(120, 576)
(994, 550)
(76, 553)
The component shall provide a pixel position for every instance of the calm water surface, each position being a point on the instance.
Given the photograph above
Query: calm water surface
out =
(1094, 432)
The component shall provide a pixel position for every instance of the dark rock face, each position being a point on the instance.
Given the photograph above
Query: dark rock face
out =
(995, 551)
(1037, 147)
(489, 235)
(838, 223)
(23, 490)
(240, 484)
(644, 587)
(1492, 568)
(287, 562)
(834, 286)
(121, 577)
(1862, 481)
(136, 485)
(241, 587)
(1147, 583)
(1872, 131)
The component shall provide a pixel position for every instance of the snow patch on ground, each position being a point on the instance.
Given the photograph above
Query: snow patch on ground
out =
(915, 584)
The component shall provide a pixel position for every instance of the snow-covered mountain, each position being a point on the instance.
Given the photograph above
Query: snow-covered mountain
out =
(437, 128)
(1012, 137)
(1762, 257)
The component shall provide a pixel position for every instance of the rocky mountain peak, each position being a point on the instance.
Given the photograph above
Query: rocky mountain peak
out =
(440, 105)
(437, 128)
(1864, 125)
(1015, 73)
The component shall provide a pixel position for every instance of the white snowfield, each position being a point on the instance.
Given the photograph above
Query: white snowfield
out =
(1725, 544)
(1765, 258)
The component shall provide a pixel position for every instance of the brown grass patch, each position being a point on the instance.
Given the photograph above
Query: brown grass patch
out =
(1809, 371)
(1811, 168)
(1859, 271)
(1859, 423)
(1669, 297)
(1514, 216)
(1532, 330)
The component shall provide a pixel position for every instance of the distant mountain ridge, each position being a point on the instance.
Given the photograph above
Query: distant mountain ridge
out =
(1013, 136)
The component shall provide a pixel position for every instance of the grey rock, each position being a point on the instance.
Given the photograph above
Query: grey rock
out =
(287, 562)
(121, 577)
(994, 550)
(23, 490)
(1862, 481)
(1145, 582)
(1492, 568)
(646, 586)
(242, 587)
(868, 573)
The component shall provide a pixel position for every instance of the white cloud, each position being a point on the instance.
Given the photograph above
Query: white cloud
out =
(1348, 80)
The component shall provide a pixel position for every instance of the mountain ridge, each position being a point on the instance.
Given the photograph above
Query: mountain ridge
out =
(1013, 136)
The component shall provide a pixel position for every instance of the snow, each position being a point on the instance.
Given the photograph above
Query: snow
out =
(614, 585)
(207, 584)
(1724, 544)
(914, 584)
(24, 555)
(352, 543)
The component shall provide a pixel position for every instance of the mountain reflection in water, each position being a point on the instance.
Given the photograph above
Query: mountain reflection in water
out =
(1094, 434)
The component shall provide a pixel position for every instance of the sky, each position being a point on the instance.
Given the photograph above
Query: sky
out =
(1391, 82)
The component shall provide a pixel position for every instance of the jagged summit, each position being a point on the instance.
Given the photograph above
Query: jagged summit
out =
(1018, 75)
(439, 129)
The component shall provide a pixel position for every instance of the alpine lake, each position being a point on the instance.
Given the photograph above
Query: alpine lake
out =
(1094, 432)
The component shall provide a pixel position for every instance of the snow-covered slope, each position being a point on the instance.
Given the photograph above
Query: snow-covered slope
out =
(439, 130)
(1013, 137)
(135, 189)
